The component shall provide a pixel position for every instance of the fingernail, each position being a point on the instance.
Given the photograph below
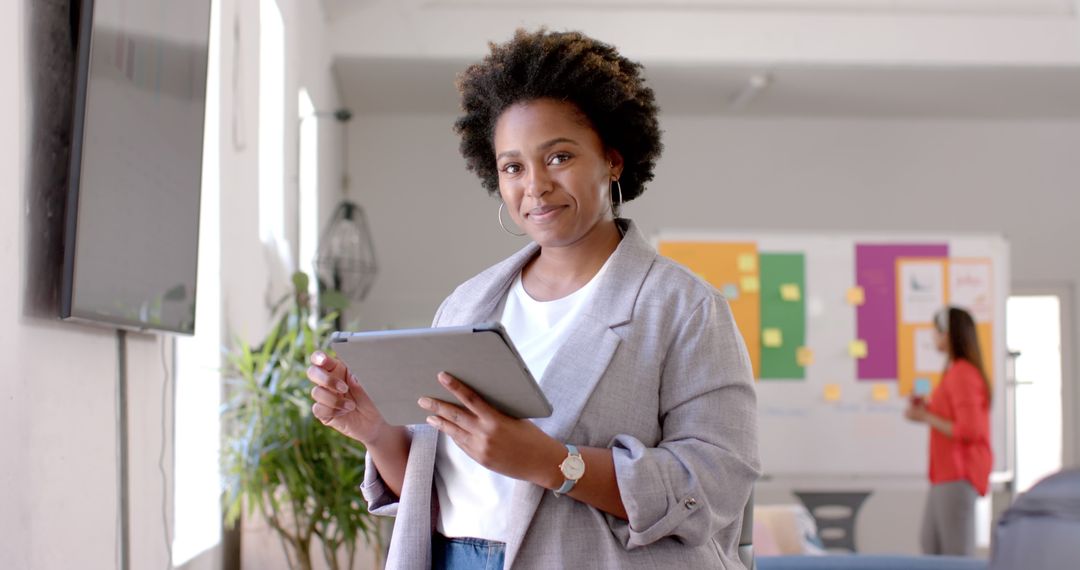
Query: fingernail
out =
(424, 403)
(432, 421)
(342, 387)
(349, 405)
(444, 379)
(318, 358)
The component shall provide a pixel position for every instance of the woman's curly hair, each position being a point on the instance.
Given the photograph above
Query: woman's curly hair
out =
(567, 66)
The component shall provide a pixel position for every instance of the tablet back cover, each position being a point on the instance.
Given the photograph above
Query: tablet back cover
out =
(396, 368)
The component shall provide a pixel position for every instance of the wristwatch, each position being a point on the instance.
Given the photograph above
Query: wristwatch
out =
(573, 468)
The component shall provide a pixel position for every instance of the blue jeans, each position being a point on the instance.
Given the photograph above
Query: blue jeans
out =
(465, 553)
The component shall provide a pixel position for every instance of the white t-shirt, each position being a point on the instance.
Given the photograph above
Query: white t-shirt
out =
(473, 500)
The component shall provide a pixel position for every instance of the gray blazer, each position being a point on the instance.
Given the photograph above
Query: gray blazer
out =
(656, 371)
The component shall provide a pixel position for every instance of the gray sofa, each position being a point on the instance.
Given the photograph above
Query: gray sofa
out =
(869, 562)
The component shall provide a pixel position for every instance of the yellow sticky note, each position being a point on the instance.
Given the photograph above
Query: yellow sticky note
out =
(772, 338)
(747, 262)
(857, 349)
(750, 284)
(832, 392)
(880, 392)
(856, 296)
(790, 292)
(804, 356)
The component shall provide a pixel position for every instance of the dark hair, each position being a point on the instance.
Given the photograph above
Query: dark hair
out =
(606, 87)
(963, 340)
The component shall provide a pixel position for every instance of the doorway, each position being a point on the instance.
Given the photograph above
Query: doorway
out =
(1034, 329)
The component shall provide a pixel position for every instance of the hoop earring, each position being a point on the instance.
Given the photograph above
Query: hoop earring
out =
(503, 226)
(615, 207)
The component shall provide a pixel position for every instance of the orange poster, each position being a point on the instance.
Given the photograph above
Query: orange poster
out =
(923, 287)
(733, 269)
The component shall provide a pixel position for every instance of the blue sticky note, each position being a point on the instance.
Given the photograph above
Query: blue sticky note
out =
(731, 291)
(922, 386)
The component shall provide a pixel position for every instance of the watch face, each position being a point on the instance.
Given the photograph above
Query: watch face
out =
(573, 467)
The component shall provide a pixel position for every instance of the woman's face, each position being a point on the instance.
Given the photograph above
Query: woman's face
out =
(554, 173)
(941, 341)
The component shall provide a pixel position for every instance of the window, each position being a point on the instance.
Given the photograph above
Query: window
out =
(309, 188)
(272, 130)
(1034, 330)
(196, 463)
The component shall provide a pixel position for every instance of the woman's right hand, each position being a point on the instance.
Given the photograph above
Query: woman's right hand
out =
(916, 410)
(341, 403)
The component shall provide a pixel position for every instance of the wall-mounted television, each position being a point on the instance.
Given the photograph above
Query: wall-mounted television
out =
(132, 217)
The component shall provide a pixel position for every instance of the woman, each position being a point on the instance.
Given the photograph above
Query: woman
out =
(959, 417)
(653, 439)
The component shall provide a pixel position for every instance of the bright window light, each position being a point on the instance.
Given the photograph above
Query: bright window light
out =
(197, 432)
(309, 188)
(1034, 329)
(272, 130)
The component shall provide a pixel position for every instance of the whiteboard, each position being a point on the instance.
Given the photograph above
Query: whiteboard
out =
(831, 422)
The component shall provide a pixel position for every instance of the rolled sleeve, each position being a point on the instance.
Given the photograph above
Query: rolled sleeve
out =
(380, 499)
(697, 479)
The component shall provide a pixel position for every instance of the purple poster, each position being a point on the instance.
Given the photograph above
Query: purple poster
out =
(875, 272)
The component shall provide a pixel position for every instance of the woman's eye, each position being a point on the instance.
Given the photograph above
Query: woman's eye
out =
(511, 168)
(559, 158)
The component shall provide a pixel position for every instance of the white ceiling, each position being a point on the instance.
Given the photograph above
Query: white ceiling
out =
(337, 8)
(379, 85)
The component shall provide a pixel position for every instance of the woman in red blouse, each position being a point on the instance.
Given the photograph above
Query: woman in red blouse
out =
(958, 414)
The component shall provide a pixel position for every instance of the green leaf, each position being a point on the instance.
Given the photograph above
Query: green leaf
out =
(300, 281)
(276, 458)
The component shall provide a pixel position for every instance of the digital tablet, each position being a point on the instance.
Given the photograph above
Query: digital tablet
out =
(396, 368)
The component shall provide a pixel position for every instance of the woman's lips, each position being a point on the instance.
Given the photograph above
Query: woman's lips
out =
(544, 213)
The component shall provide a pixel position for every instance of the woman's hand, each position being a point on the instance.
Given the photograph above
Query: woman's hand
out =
(512, 447)
(917, 411)
(341, 403)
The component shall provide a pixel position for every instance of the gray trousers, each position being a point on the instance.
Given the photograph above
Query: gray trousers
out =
(949, 520)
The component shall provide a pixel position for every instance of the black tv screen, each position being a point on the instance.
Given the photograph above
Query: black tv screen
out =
(132, 218)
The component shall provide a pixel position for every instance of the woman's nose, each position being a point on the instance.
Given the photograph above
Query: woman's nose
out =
(538, 183)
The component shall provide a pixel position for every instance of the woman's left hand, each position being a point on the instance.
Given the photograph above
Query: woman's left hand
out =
(515, 448)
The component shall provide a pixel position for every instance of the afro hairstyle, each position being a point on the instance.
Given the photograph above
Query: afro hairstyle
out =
(606, 87)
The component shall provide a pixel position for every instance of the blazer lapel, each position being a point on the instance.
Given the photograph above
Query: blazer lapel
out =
(410, 544)
(476, 299)
(580, 363)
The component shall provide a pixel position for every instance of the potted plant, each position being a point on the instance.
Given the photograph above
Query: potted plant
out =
(278, 460)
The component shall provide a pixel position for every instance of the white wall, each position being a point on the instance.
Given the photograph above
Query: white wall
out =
(58, 483)
(782, 31)
(432, 224)
(434, 227)
(1015, 178)
(13, 392)
(245, 260)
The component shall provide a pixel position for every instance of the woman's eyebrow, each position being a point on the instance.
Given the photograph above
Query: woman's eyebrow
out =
(543, 146)
(556, 141)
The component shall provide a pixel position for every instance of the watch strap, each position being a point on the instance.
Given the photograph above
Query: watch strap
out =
(568, 484)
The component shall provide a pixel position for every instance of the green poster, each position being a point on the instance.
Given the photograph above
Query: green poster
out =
(783, 315)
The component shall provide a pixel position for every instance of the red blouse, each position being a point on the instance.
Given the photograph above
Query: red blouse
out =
(961, 398)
